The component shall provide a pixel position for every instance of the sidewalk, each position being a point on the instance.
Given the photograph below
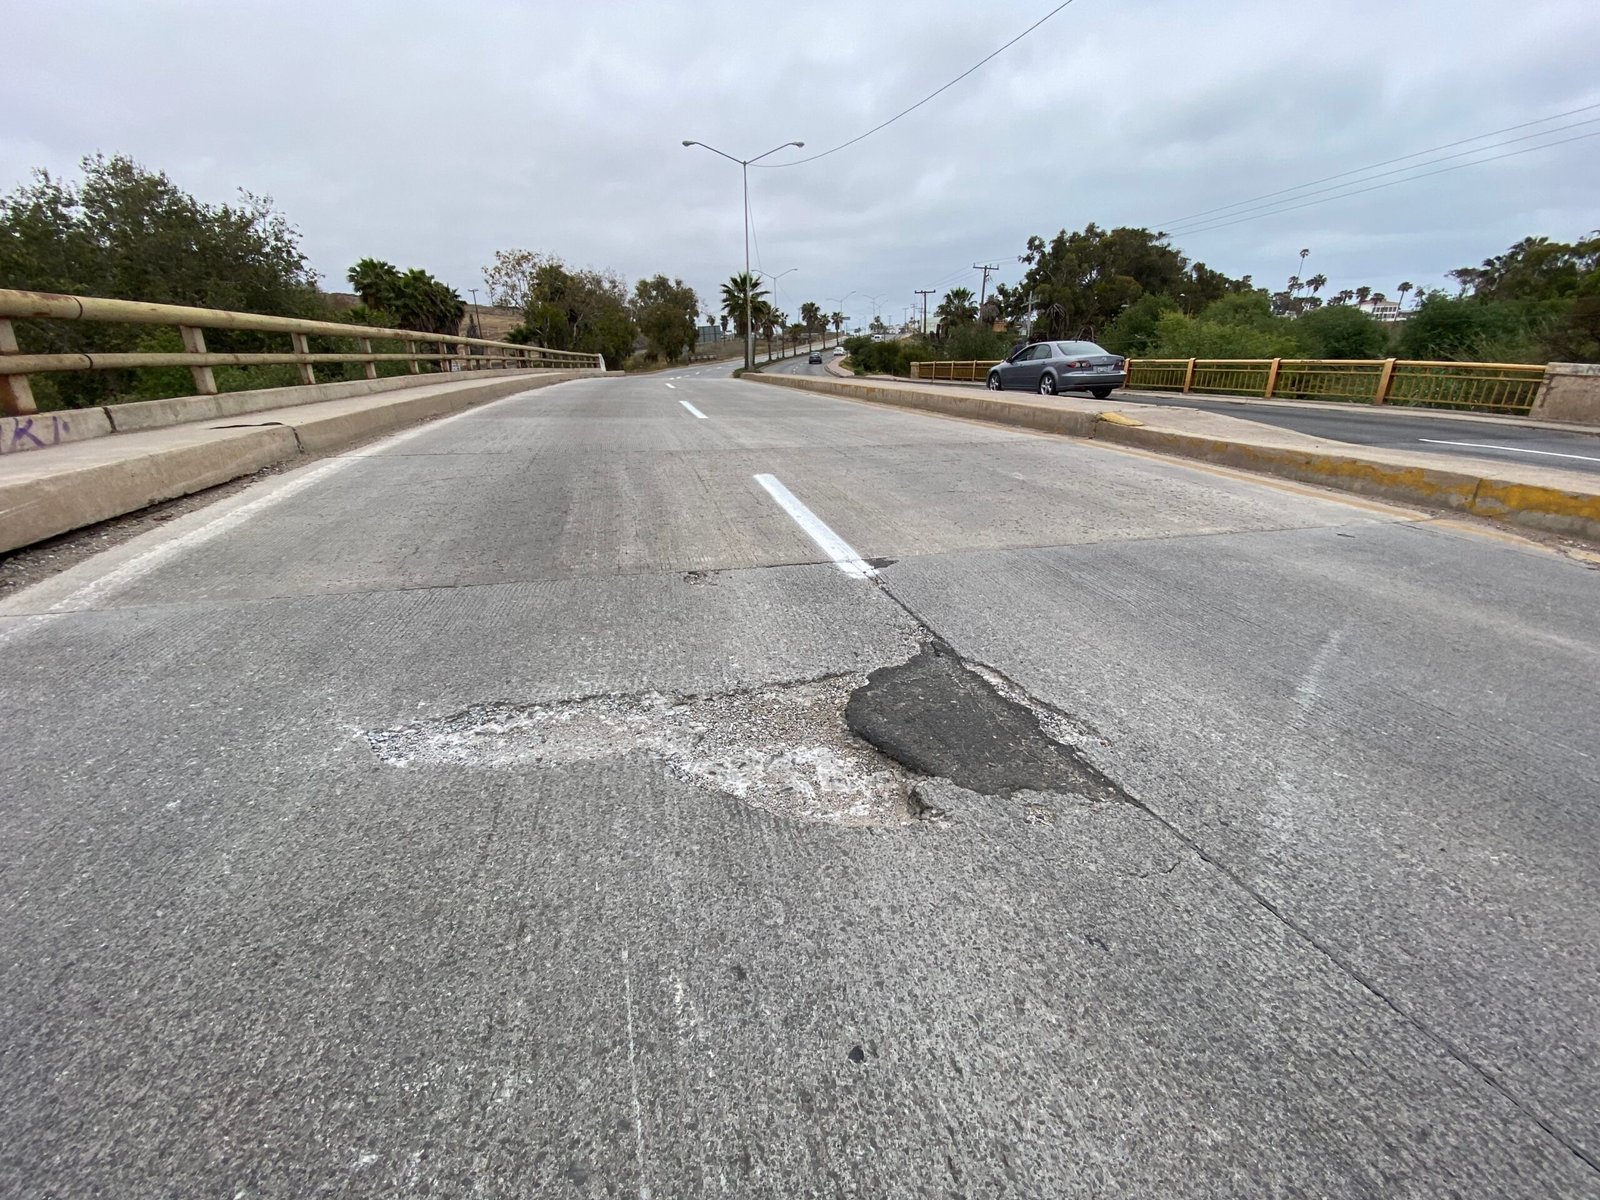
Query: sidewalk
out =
(44, 493)
(1549, 499)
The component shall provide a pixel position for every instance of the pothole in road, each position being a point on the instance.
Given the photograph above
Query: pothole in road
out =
(845, 749)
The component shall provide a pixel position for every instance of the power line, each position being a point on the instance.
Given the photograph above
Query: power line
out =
(1179, 227)
(925, 99)
(1206, 228)
(1390, 161)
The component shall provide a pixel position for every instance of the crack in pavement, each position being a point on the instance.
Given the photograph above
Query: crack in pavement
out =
(1299, 929)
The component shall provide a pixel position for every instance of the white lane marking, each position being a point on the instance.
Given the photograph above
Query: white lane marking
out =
(835, 547)
(673, 386)
(135, 568)
(1511, 449)
(694, 410)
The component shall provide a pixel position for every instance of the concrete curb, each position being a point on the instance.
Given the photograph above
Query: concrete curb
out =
(1532, 506)
(48, 495)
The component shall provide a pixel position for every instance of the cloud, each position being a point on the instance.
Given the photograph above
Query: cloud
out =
(433, 137)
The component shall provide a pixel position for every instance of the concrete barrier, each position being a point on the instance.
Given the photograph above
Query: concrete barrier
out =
(40, 431)
(44, 504)
(1570, 392)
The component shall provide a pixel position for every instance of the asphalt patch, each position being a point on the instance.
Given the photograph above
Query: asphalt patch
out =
(938, 717)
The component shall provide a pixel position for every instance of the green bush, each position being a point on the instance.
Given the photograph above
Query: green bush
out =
(1133, 333)
(1340, 331)
(975, 341)
(1473, 330)
(1178, 336)
(890, 358)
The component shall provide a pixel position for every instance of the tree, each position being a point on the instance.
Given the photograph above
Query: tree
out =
(811, 318)
(564, 309)
(1133, 333)
(412, 299)
(734, 293)
(1536, 268)
(1316, 283)
(127, 232)
(1403, 289)
(665, 312)
(1363, 294)
(957, 308)
(1339, 331)
(1078, 282)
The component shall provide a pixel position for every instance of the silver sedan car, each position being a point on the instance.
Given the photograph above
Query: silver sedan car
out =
(1051, 367)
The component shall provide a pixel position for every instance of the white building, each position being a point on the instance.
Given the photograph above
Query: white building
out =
(1381, 309)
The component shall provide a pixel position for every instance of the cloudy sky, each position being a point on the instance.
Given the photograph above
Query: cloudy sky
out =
(433, 135)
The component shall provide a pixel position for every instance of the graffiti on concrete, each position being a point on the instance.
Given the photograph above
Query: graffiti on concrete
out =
(33, 433)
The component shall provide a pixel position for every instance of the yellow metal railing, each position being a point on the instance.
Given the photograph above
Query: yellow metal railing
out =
(450, 352)
(969, 369)
(1477, 387)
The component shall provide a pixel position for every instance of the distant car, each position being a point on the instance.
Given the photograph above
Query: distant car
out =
(816, 357)
(838, 351)
(1051, 367)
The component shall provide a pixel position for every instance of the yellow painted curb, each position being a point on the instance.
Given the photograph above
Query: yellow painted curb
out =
(1116, 418)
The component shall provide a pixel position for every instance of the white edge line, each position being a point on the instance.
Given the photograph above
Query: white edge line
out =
(694, 410)
(131, 570)
(830, 543)
(1510, 449)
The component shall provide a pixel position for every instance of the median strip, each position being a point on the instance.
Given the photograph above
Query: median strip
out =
(838, 550)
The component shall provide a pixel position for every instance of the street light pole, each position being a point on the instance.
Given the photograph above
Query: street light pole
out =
(744, 168)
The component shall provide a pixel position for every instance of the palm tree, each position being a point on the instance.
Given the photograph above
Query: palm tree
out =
(1316, 283)
(374, 281)
(957, 308)
(811, 318)
(1403, 289)
(734, 293)
(1344, 296)
(838, 320)
(1363, 294)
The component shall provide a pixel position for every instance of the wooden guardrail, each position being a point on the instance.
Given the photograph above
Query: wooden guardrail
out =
(448, 351)
(1474, 387)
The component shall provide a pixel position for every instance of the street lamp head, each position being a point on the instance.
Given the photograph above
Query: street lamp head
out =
(687, 142)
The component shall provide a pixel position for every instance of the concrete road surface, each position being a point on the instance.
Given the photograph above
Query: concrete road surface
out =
(475, 814)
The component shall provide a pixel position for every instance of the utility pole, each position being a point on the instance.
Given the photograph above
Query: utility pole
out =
(477, 329)
(924, 293)
(983, 288)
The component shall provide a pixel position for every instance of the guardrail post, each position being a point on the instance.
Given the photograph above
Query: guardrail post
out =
(372, 367)
(411, 349)
(16, 393)
(1385, 379)
(308, 373)
(1188, 376)
(194, 341)
(1272, 377)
